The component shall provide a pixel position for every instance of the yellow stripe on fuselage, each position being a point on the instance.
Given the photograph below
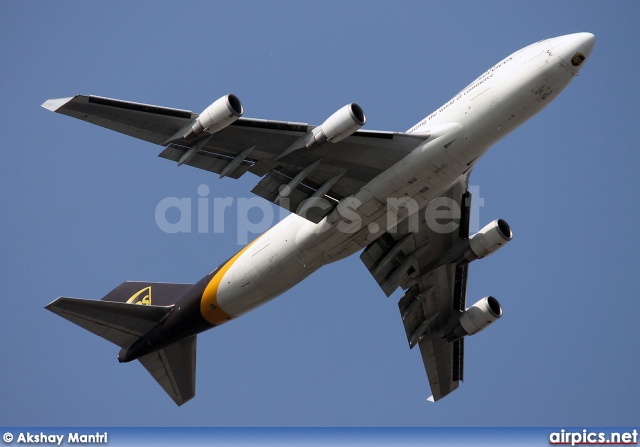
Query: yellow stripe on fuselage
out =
(209, 307)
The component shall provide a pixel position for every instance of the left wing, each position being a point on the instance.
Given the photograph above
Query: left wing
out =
(435, 286)
(429, 259)
(315, 171)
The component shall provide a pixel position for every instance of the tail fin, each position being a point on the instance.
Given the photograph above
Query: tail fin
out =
(124, 315)
(154, 293)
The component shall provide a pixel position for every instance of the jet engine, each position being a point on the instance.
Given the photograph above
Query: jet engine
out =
(216, 117)
(338, 126)
(488, 240)
(476, 318)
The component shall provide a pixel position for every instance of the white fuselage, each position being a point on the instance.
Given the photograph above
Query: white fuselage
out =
(462, 130)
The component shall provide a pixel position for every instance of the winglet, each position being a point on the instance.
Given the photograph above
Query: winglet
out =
(430, 398)
(55, 104)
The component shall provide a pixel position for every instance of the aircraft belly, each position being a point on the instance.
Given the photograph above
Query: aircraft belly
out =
(236, 298)
(270, 268)
(419, 178)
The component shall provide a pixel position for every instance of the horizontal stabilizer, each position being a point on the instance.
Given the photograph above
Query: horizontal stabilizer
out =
(174, 368)
(119, 323)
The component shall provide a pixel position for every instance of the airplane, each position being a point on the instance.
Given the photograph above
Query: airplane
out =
(399, 197)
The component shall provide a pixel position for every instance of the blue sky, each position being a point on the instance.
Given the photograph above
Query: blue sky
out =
(78, 209)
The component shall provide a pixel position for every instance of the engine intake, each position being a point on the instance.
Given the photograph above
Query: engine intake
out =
(476, 318)
(216, 117)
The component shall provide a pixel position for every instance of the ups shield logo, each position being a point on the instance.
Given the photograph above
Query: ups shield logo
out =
(142, 297)
(577, 59)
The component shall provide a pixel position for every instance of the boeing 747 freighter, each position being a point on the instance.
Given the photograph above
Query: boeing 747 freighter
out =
(399, 197)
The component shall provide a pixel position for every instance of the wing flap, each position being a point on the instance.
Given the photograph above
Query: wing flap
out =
(274, 183)
(389, 252)
(426, 307)
(206, 160)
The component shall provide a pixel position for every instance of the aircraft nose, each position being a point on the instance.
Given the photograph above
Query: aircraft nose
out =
(588, 41)
(575, 49)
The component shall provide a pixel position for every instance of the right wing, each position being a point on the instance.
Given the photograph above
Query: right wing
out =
(325, 174)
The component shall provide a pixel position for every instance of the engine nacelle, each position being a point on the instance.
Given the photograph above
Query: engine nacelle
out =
(216, 117)
(488, 240)
(338, 126)
(476, 318)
